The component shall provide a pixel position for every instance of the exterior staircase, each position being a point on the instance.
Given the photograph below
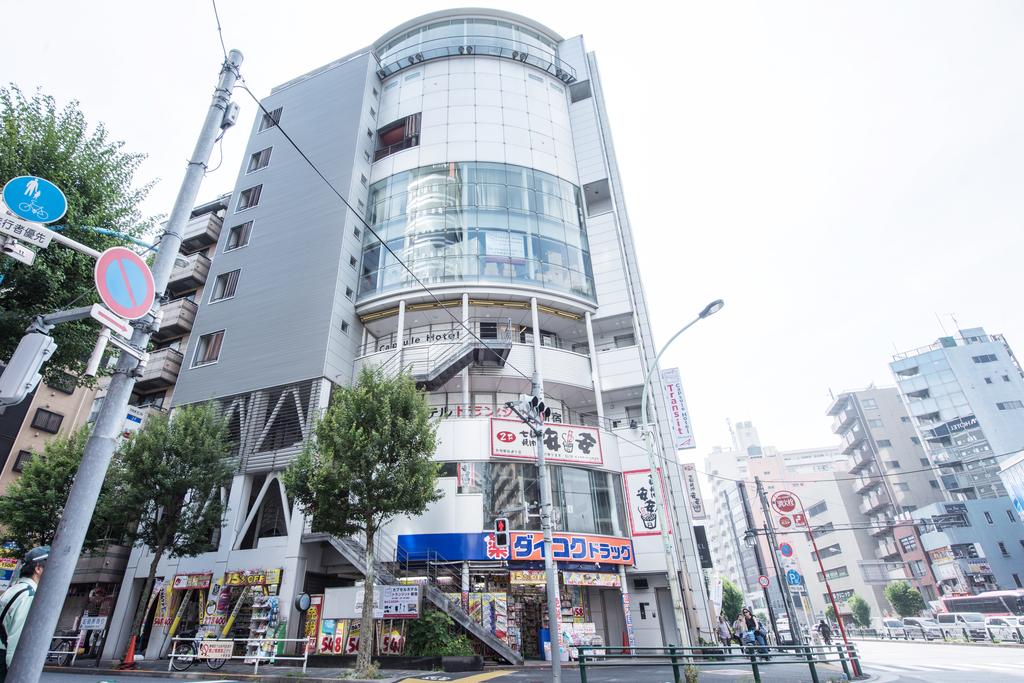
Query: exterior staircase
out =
(353, 549)
(432, 366)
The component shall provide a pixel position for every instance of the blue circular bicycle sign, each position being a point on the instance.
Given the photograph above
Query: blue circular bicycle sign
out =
(35, 199)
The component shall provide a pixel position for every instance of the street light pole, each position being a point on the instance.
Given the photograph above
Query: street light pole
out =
(671, 565)
(37, 634)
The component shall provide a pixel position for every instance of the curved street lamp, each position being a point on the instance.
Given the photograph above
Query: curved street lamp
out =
(670, 561)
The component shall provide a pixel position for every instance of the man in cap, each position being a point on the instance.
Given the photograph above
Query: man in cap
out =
(16, 602)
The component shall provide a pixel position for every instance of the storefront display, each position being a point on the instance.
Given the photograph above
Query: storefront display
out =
(263, 623)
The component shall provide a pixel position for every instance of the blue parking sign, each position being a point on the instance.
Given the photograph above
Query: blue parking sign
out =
(793, 578)
(35, 199)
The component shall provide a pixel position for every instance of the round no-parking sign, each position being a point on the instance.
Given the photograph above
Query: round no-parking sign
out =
(125, 283)
(763, 581)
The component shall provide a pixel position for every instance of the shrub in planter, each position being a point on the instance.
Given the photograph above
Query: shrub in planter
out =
(432, 636)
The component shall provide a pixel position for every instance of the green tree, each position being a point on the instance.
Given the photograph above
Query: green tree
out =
(860, 610)
(38, 138)
(172, 472)
(732, 600)
(370, 459)
(435, 634)
(830, 614)
(907, 601)
(33, 504)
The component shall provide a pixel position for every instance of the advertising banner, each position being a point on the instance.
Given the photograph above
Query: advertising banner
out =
(527, 577)
(523, 546)
(7, 567)
(216, 649)
(567, 443)
(590, 579)
(693, 494)
(678, 415)
(311, 625)
(191, 581)
(641, 504)
(253, 577)
(401, 602)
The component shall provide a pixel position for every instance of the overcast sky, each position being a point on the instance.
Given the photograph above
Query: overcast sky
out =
(847, 176)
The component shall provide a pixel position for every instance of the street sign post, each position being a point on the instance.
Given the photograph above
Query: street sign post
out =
(18, 252)
(793, 577)
(114, 322)
(786, 549)
(35, 199)
(785, 522)
(125, 283)
(33, 233)
(784, 502)
(763, 581)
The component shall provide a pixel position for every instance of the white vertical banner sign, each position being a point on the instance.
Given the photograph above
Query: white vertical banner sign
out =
(693, 495)
(679, 416)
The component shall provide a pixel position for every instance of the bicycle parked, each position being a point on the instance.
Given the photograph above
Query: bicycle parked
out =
(185, 653)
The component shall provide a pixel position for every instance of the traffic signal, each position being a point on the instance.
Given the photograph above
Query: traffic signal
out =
(21, 376)
(501, 532)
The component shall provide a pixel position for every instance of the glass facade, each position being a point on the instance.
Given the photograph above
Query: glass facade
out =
(585, 501)
(477, 222)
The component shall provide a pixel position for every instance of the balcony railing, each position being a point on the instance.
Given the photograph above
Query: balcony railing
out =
(179, 316)
(201, 232)
(191, 275)
(859, 459)
(161, 370)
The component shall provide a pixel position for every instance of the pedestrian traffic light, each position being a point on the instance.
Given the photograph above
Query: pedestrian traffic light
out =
(21, 376)
(501, 532)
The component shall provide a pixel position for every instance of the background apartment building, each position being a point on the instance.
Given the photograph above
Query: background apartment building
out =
(965, 395)
(475, 144)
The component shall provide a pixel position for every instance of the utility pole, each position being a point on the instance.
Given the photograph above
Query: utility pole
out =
(787, 596)
(533, 413)
(38, 632)
(749, 517)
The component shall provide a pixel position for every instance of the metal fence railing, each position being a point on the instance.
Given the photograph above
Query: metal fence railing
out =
(191, 650)
(749, 655)
(944, 632)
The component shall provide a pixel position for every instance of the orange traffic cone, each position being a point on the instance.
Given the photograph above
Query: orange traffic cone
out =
(129, 658)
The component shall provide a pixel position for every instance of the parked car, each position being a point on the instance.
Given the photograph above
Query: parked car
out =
(920, 627)
(960, 624)
(893, 628)
(1006, 628)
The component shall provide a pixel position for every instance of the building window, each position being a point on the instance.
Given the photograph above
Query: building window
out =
(224, 287)
(988, 380)
(925, 462)
(837, 573)
(826, 528)
(208, 348)
(988, 518)
(1016, 580)
(916, 441)
(624, 340)
(1013, 518)
(363, 180)
(356, 232)
(908, 543)
(397, 136)
(352, 261)
(917, 568)
(893, 464)
(47, 421)
(238, 236)
(934, 484)
(1010, 405)
(817, 509)
(344, 326)
(1006, 378)
(259, 160)
(827, 551)
(875, 423)
(249, 198)
(869, 403)
(904, 418)
(901, 486)
(987, 358)
(19, 462)
(270, 119)
(1002, 549)
(348, 292)
(884, 443)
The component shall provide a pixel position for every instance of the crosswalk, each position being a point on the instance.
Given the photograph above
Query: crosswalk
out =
(964, 667)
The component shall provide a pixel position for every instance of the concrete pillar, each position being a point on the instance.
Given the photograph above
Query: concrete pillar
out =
(595, 371)
(400, 338)
(465, 372)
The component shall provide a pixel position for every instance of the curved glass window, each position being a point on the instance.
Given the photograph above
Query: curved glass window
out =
(585, 501)
(476, 222)
(452, 37)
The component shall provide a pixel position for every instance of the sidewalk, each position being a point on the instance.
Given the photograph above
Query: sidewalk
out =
(234, 671)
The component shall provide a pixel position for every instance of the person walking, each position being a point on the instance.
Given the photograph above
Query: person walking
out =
(825, 631)
(738, 628)
(754, 631)
(16, 602)
(724, 632)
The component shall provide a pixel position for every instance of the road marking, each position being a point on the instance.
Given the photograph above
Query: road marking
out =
(475, 678)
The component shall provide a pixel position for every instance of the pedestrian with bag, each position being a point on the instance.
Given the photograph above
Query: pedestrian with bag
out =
(754, 631)
(724, 632)
(17, 601)
(826, 632)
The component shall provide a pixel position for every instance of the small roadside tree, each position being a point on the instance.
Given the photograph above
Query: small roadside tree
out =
(907, 601)
(830, 613)
(33, 504)
(732, 600)
(860, 610)
(370, 460)
(171, 472)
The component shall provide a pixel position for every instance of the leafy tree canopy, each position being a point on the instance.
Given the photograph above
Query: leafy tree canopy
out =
(37, 138)
(732, 600)
(906, 600)
(861, 611)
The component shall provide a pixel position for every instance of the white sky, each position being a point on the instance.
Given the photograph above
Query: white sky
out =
(839, 173)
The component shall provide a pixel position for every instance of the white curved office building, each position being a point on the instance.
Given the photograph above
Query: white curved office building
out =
(476, 145)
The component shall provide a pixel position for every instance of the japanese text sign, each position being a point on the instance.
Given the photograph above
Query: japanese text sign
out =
(693, 494)
(562, 442)
(679, 416)
(643, 501)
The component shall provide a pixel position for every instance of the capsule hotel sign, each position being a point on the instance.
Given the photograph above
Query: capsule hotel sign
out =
(682, 433)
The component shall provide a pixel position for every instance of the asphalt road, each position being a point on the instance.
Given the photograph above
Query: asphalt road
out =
(920, 662)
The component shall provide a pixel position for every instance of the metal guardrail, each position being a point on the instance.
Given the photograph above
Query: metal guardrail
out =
(811, 655)
(257, 657)
(944, 632)
(58, 651)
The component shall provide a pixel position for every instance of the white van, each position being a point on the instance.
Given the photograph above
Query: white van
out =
(960, 624)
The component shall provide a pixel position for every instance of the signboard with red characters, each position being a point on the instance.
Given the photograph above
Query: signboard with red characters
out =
(562, 442)
(523, 546)
(785, 502)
